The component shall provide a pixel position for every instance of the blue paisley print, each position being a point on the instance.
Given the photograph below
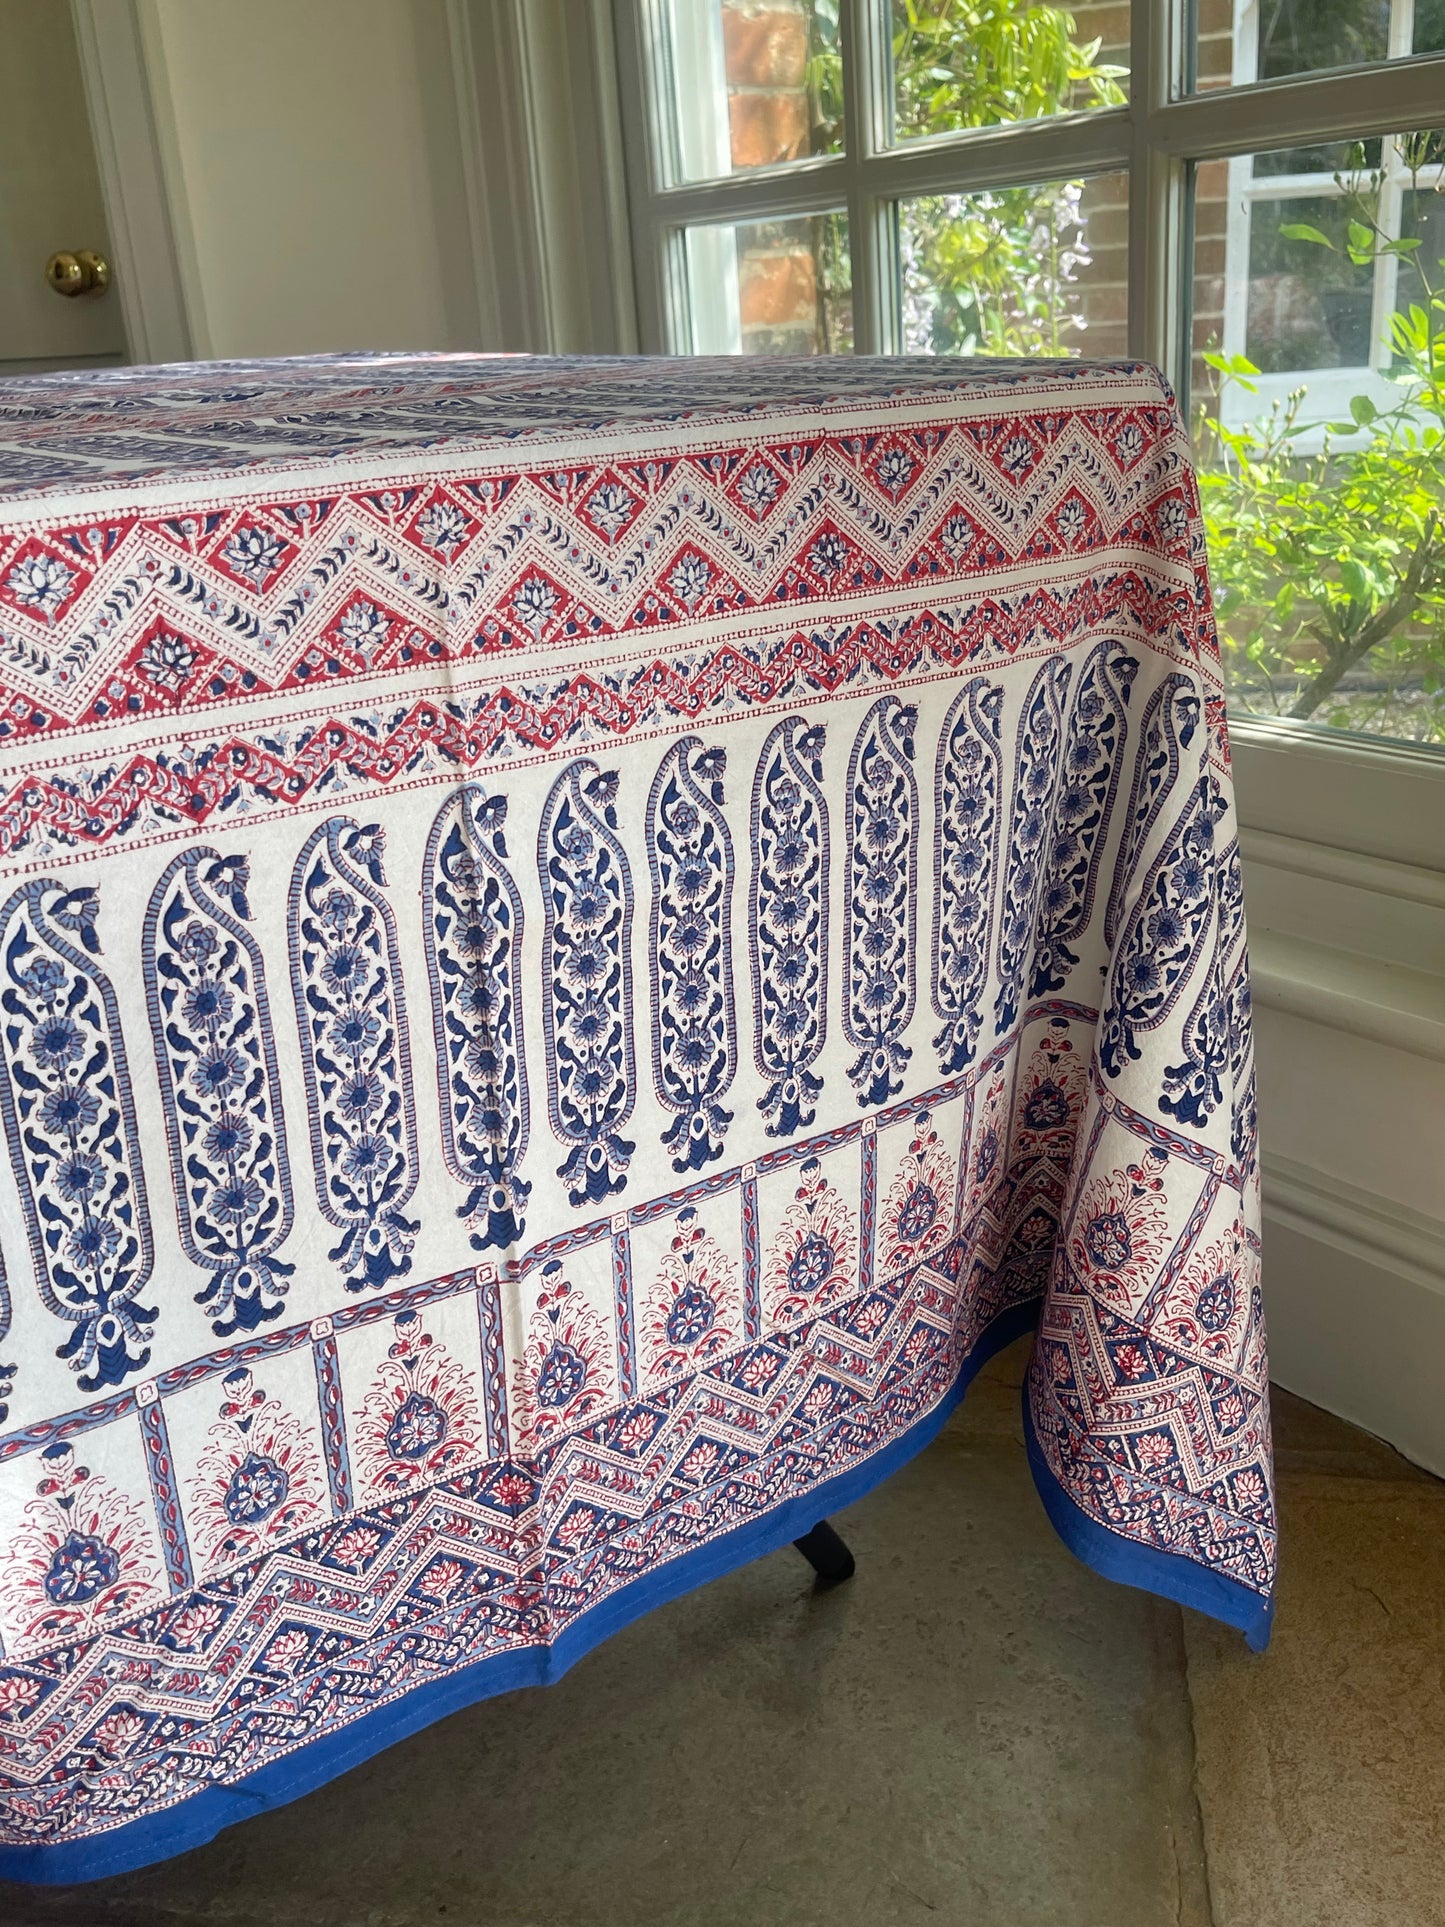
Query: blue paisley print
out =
(880, 906)
(587, 980)
(355, 1049)
(694, 1026)
(1037, 772)
(472, 928)
(1213, 1032)
(966, 832)
(1093, 757)
(1170, 720)
(788, 923)
(1162, 939)
(216, 1054)
(70, 1125)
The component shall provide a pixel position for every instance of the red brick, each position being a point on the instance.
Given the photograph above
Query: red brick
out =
(777, 290)
(1105, 304)
(765, 49)
(1215, 59)
(767, 127)
(1211, 181)
(1209, 255)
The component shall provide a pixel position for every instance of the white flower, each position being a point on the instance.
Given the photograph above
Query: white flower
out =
(41, 582)
(254, 553)
(442, 527)
(363, 627)
(609, 508)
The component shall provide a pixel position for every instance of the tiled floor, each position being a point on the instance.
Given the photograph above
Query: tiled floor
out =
(974, 1731)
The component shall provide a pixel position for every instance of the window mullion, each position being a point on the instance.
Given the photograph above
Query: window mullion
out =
(866, 82)
(1158, 294)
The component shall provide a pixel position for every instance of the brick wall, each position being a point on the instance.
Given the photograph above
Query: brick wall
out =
(765, 53)
(765, 45)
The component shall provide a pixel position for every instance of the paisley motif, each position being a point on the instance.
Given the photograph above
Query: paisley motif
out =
(966, 833)
(1160, 941)
(1171, 717)
(587, 980)
(70, 1125)
(355, 1049)
(880, 901)
(1037, 770)
(788, 923)
(1215, 1039)
(1083, 806)
(472, 929)
(216, 1055)
(694, 1024)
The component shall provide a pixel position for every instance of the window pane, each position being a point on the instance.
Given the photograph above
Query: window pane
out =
(771, 287)
(980, 63)
(749, 83)
(1320, 433)
(1310, 36)
(1017, 270)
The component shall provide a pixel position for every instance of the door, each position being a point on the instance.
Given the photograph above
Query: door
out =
(49, 198)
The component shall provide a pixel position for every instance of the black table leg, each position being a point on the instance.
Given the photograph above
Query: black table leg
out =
(826, 1553)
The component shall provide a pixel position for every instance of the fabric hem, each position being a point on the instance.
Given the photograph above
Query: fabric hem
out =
(1125, 1561)
(191, 1823)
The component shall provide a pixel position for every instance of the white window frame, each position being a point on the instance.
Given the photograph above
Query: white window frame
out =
(1374, 799)
(1330, 389)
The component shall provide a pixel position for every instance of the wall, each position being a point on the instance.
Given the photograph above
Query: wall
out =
(313, 166)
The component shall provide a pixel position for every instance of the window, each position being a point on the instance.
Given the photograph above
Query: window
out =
(1240, 191)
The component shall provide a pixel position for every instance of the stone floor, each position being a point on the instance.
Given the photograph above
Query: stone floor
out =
(975, 1731)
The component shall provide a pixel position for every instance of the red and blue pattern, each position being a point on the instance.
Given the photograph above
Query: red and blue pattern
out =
(633, 722)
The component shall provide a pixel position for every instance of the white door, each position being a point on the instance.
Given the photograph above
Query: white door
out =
(49, 197)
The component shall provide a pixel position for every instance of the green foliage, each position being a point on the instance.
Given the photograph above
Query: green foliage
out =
(1331, 566)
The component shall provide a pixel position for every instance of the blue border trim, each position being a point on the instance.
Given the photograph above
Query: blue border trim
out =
(1111, 1555)
(193, 1822)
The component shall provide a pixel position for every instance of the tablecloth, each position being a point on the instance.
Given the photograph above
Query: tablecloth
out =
(580, 942)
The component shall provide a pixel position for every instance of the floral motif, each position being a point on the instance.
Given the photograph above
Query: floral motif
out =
(473, 934)
(788, 923)
(69, 1121)
(253, 553)
(694, 1026)
(258, 1479)
(813, 1259)
(364, 628)
(1120, 1231)
(879, 904)
(216, 1054)
(692, 1311)
(1083, 804)
(917, 1214)
(421, 1420)
(1051, 1097)
(442, 526)
(534, 603)
(82, 1557)
(42, 582)
(609, 509)
(355, 1049)
(167, 660)
(565, 1371)
(757, 488)
(966, 832)
(690, 577)
(1166, 732)
(1209, 1307)
(587, 980)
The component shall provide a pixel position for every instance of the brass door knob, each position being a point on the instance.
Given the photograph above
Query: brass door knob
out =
(81, 271)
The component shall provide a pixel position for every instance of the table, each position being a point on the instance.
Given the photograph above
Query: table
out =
(580, 942)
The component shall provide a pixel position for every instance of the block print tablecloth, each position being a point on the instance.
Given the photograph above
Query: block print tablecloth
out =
(579, 942)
